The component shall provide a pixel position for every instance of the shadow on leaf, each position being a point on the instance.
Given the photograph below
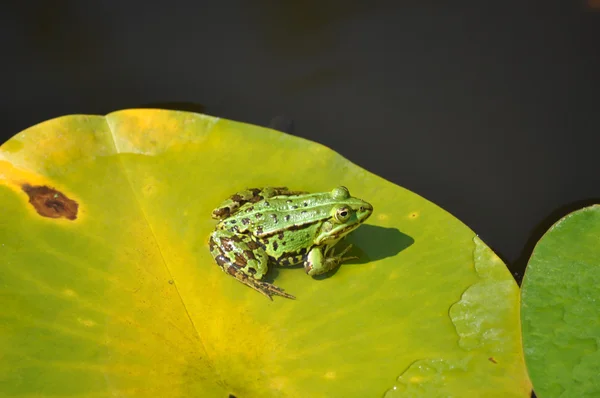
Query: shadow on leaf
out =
(376, 243)
(369, 243)
(372, 243)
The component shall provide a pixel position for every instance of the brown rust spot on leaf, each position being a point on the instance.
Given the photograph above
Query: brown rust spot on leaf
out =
(49, 202)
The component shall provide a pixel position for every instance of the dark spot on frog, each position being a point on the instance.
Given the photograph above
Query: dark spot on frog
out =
(280, 235)
(294, 207)
(283, 243)
(307, 266)
(294, 227)
(266, 241)
(211, 244)
(259, 230)
(232, 269)
(302, 251)
(255, 191)
(237, 198)
(221, 260)
(240, 260)
(258, 215)
(274, 217)
(252, 271)
(51, 203)
(227, 244)
(266, 204)
(256, 199)
(249, 254)
(245, 221)
(223, 212)
(235, 238)
(249, 209)
(305, 204)
(283, 261)
(287, 217)
(252, 245)
(288, 201)
(275, 245)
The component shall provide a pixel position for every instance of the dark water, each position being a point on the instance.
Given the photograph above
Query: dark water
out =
(489, 109)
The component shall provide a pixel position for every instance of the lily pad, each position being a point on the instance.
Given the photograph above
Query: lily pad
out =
(108, 287)
(560, 307)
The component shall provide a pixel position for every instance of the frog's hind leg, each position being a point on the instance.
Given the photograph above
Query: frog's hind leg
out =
(242, 258)
(250, 195)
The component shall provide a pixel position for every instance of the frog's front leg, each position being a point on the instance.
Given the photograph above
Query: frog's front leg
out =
(317, 262)
(252, 195)
(241, 257)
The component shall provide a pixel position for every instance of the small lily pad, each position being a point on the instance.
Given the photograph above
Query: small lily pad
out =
(109, 288)
(561, 306)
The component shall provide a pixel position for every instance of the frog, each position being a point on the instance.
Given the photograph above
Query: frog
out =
(276, 226)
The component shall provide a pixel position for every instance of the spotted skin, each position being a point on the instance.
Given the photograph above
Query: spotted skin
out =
(245, 251)
(275, 226)
(250, 195)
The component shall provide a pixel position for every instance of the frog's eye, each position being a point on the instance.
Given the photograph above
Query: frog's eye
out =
(342, 214)
(340, 193)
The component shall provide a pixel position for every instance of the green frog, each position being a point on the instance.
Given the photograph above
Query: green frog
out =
(274, 225)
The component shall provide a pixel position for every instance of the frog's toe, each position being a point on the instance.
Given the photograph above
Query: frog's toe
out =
(269, 290)
(265, 288)
(345, 251)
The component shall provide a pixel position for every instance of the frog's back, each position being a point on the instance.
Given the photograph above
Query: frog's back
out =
(280, 213)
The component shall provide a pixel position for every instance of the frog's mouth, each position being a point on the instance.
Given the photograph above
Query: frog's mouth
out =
(339, 231)
(344, 231)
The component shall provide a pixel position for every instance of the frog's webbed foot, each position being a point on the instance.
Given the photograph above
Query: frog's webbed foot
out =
(340, 257)
(318, 263)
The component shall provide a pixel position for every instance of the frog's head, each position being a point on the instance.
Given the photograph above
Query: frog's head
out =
(347, 214)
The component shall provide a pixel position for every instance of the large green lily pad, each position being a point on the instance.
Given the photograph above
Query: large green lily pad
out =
(561, 307)
(119, 296)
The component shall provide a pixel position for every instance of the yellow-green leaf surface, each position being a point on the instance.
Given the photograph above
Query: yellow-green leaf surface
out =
(108, 288)
(561, 307)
